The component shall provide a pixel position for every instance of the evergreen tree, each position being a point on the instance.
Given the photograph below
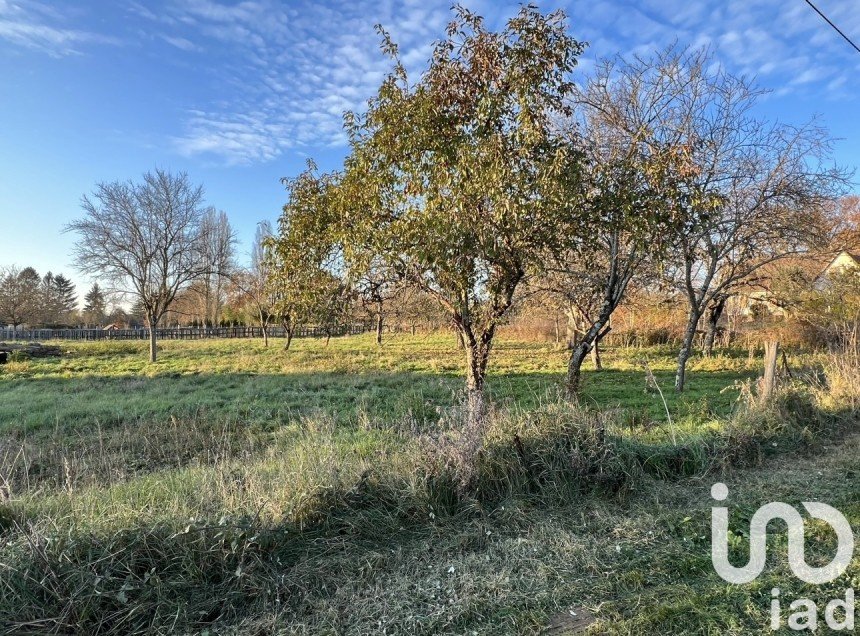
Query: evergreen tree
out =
(47, 311)
(57, 301)
(95, 305)
(65, 294)
(137, 314)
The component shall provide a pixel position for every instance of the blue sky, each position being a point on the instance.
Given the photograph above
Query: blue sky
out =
(240, 94)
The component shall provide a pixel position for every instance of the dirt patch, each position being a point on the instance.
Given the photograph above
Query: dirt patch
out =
(25, 351)
(575, 621)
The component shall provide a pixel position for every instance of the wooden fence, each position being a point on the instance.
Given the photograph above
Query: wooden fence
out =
(175, 333)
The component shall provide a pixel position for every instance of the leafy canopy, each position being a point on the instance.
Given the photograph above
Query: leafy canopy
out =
(463, 181)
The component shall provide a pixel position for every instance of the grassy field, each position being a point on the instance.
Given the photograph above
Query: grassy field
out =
(231, 488)
(111, 383)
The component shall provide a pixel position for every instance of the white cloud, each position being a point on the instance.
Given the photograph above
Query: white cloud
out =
(180, 43)
(29, 25)
(287, 71)
(293, 69)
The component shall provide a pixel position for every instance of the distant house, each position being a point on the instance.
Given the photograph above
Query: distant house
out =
(843, 262)
(747, 303)
(812, 270)
(113, 327)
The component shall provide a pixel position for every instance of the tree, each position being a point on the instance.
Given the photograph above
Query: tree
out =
(118, 316)
(330, 305)
(828, 301)
(251, 286)
(461, 182)
(376, 285)
(19, 296)
(95, 306)
(754, 191)
(67, 299)
(845, 221)
(201, 302)
(218, 241)
(413, 306)
(145, 238)
(137, 314)
(304, 258)
(630, 199)
(57, 300)
(258, 277)
(48, 309)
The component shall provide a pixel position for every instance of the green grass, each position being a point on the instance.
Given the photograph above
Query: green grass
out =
(111, 384)
(239, 490)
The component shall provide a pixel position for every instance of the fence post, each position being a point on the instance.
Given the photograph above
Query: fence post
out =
(771, 354)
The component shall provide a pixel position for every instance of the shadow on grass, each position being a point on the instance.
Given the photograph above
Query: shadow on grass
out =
(120, 427)
(191, 575)
(261, 400)
(708, 393)
(270, 400)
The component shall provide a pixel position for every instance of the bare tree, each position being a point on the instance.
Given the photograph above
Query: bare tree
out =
(768, 187)
(252, 284)
(19, 296)
(629, 194)
(587, 290)
(218, 246)
(752, 191)
(412, 307)
(145, 239)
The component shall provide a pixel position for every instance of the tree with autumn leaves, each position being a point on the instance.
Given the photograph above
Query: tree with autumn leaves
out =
(494, 174)
(461, 182)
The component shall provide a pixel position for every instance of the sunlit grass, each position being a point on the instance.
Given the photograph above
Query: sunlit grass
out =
(111, 383)
(241, 489)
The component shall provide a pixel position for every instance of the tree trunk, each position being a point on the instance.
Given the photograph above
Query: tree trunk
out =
(715, 312)
(710, 335)
(288, 332)
(461, 343)
(595, 356)
(477, 355)
(686, 349)
(379, 321)
(570, 329)
(264, 329)
(581, 347)
(153, 352)
(574, 369)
